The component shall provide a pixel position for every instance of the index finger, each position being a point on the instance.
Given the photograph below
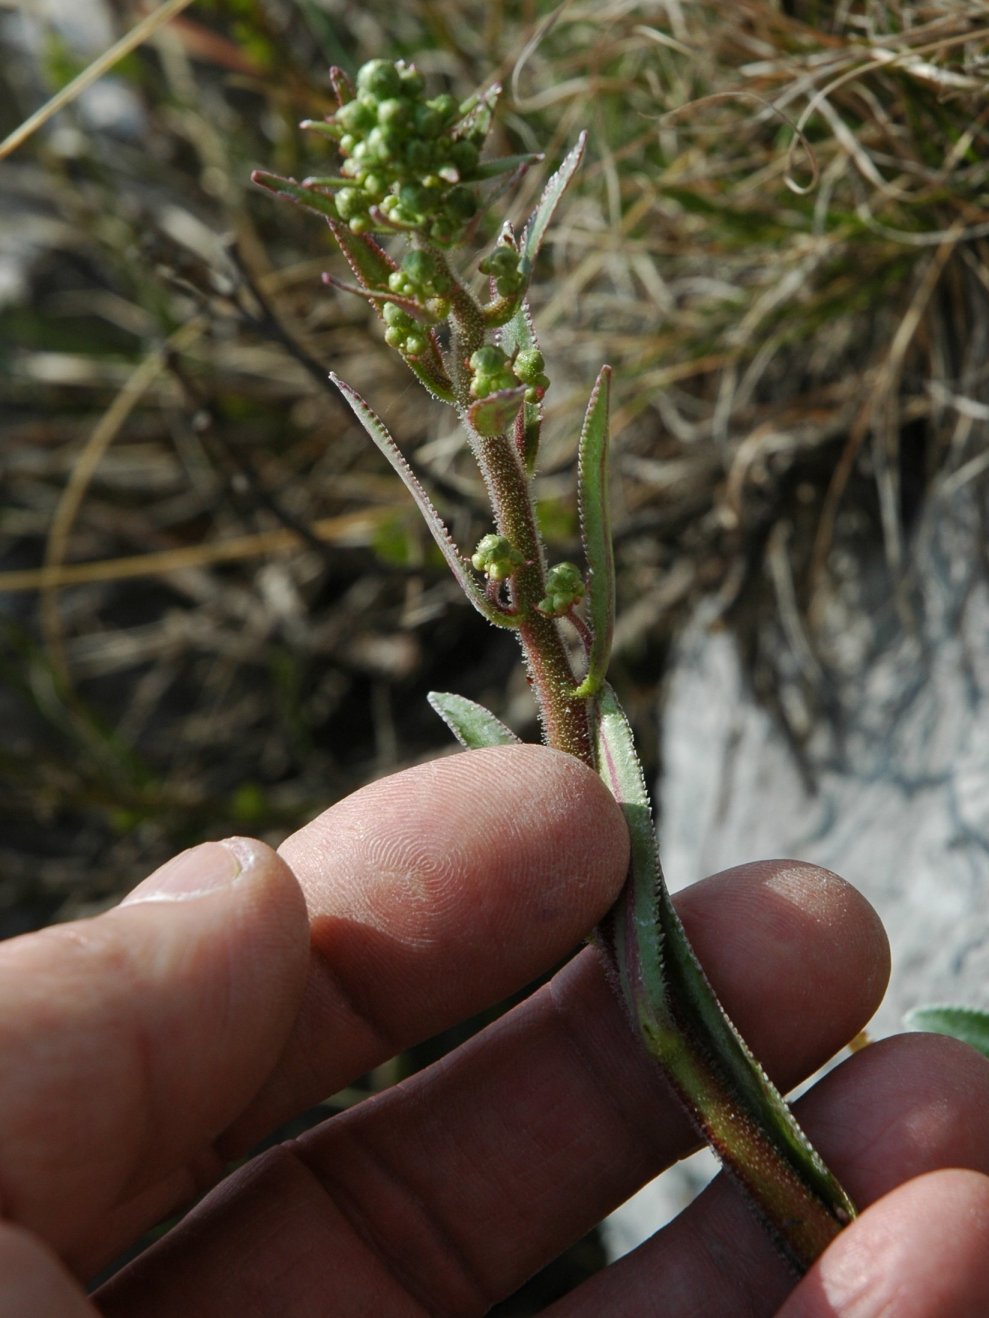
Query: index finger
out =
(433, 894)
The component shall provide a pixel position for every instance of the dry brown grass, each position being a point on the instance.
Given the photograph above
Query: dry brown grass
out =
(219, 612)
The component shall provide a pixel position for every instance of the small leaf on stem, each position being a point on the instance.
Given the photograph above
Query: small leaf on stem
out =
(595, 524)
(494, 414)
(381, 436)
(539, 220)
(471, 724)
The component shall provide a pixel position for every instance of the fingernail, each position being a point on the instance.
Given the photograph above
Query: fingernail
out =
(195, 873)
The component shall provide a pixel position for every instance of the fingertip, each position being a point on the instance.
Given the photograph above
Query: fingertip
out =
(921, 1252)
(166, 1014)
(771, 923)
(507, 839)
(33, 1280)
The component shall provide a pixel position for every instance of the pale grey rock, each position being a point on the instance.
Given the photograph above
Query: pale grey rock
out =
(890, 789)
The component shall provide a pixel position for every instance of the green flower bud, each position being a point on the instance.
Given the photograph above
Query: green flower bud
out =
(394, 113)
(379, 78)
(351, 203)
(418, 155)
(414, 199)
(394, 316)
(377, 147)
(419, 267)
(528, 365)
(496, 557)
(375, 186)
(355, 117)
(503, 267)
(491, 372)
(564, 589)
(488, 360)
(442, 232)
(445, 106)
(428, 122)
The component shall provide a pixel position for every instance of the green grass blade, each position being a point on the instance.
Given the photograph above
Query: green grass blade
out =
(381, 436)
(595, 523)
(471, 724)
(969, 1024)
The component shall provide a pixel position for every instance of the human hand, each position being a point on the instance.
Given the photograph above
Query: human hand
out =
(149, 1045)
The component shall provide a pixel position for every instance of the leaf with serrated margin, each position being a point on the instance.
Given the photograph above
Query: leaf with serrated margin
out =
(311, 198)
(595, 526)
(382, 438)
(471, 724)
(683, 1025)
(369, 261)
(539, 220)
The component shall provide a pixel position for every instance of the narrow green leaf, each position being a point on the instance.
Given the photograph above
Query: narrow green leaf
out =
(683, 1025)
(595, 524)
(539, 220)
(430, 371)
(312, 199)
(498, 165)
(368, 260)
(381, 436)
(471, 724)
(969, 1024)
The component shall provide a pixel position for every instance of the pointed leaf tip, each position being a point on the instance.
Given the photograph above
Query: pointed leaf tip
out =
(595, 524)
(379, 433)
(473, 726)
(539, 221)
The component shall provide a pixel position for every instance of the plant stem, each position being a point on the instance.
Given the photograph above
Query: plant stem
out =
(564, 717)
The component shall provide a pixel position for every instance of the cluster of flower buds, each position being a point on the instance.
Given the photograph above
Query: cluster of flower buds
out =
(496, 557)
(503, 267)
(530, 368)
(424, 279)
(492, 370)
(409, 159)
(403, 331)
(564, 590)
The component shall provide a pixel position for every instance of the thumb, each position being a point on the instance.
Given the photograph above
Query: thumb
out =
(133, 1039)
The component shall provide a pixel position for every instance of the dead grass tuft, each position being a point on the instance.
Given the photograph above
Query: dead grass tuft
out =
(219, 612)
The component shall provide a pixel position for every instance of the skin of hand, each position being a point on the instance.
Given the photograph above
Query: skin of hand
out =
(148, 1046)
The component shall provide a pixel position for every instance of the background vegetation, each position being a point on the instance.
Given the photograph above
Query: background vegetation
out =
(218, 611)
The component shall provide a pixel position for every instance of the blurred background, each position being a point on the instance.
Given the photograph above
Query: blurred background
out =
(218, 610)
